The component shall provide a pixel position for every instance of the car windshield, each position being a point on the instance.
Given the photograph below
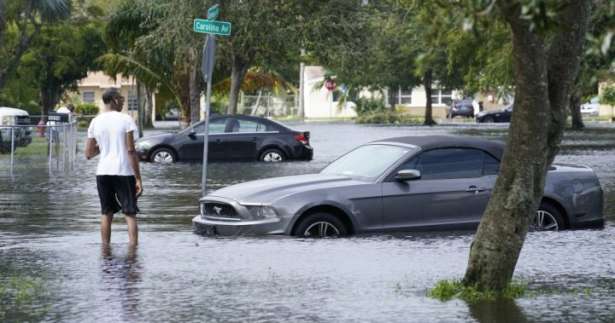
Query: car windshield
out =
(368, 161)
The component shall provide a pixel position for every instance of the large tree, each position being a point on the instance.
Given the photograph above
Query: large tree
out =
(20, 22)
(546, 58)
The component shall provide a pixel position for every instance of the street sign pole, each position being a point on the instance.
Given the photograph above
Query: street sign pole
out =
(211, 27)
(209, 53)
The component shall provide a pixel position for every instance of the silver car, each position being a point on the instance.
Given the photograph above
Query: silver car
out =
(397, 184)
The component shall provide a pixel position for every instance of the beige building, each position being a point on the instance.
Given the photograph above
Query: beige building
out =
(607, 111)
(91, 89)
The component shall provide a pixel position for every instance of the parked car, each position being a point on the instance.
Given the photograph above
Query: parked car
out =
(461, 108)
(592, 107)
(231, 138)
(18, 120)
(495, 116)
(397, 184)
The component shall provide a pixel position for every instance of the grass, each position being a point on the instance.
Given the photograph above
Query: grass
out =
(446, 290)
(20, 298)
(38, 147)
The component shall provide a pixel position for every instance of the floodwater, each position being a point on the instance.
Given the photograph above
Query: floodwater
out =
(49, 235)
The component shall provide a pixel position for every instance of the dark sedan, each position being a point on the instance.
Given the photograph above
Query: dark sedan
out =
(233, 138)
(495, 116)
(461, 108)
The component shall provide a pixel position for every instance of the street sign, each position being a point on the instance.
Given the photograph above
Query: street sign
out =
(214, 27)
(212, 12)
(209, 53)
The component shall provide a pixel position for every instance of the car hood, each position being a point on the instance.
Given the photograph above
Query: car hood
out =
(269, 190)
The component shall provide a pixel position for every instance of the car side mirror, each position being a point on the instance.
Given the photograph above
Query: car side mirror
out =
(192, 134)
(408, 174)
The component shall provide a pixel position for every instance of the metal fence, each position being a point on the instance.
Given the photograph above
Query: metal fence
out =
(53, 142)
(269, 105)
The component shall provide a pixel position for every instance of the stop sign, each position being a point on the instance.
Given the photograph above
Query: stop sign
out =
(330, 84)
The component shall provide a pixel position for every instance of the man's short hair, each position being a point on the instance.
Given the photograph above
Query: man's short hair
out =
(110, 94)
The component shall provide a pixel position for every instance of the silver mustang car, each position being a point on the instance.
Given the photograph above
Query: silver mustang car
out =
(397, 184)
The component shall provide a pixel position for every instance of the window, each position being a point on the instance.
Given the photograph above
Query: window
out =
(133, 102)
(400, 96)
(89, 97)
(442, 97)
(491, 166)
(451, 163)
(215, 126)
(367, 161)
(251, 126)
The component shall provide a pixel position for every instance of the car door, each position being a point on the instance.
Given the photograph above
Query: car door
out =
(452, 191)
(191, 142)
(242, 138)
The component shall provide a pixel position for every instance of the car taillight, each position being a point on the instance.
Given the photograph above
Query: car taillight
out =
(303, 138)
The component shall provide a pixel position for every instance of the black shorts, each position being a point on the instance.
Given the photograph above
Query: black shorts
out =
(117, 193)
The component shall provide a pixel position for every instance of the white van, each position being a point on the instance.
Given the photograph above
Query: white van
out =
(10, 117)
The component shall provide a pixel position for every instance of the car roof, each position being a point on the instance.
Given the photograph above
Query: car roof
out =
(493, 147)
(12, 111)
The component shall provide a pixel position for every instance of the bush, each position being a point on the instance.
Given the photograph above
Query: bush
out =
(388, 117)
(87, 109)
(608, 95)
(367, 106)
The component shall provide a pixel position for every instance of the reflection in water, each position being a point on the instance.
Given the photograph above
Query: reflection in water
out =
(121, 276)
(499, 311)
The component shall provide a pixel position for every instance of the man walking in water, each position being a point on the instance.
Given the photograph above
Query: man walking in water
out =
(118, 178)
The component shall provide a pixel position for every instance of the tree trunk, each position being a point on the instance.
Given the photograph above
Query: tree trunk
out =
(195, 90)
(543, 77)
(238, 72)
(427, 81)
(149, 108)
(49, 99)
(140, 109)
(184, 97)
(575, 111)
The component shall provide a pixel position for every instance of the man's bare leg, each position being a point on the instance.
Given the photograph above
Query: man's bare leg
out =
(105, 228)
(133, 230)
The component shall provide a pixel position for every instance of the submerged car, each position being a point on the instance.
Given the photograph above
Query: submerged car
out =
(495, 116)
(397, 184)
(18, 121)
(231, 138)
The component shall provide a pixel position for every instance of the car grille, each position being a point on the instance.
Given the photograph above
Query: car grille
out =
(219, 210)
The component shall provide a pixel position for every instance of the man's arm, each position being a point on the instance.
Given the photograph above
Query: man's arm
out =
(91, 148)
(134, 160)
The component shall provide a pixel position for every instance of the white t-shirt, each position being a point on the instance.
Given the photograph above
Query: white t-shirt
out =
(110, 129)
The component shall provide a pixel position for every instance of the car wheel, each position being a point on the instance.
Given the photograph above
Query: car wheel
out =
(321, 225)
(547, 218)
(488, 119)
(272, 155)
(163, 156)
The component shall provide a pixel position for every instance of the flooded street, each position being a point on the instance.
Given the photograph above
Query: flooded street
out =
(49, 233)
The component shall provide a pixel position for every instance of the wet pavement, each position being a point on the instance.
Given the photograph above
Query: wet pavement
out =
(49, 234)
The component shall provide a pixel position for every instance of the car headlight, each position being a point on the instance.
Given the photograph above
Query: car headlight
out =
(143, 145)
(480, 114)
(262, 212)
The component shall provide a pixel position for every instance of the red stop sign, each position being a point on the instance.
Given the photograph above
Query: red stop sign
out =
(330, 85)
